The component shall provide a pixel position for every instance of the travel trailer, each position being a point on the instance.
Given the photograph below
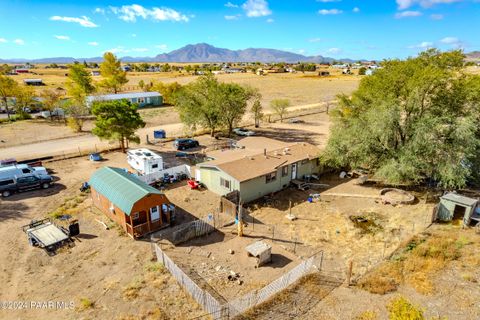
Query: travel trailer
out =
(145, 161)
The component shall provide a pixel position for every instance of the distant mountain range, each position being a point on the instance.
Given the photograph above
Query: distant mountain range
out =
(473, 56)
(201, 52)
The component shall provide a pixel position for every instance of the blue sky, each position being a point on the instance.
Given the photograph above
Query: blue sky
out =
(336, 28)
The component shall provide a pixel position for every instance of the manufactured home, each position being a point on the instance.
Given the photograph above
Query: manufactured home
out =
(138, 208)
(143, 99)
(33, 82)
(260, 166)
(145, 161)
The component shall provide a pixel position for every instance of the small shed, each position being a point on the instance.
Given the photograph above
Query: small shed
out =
(260, 250)
(138, 208)
(454, 206)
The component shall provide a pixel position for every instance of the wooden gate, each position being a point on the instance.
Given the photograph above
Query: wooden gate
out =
(229, 203)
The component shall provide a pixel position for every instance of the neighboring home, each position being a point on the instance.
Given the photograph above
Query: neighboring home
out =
(137, 207)
(258, 167)
(17, 71)
(454, 206)
(33, 82)
(143, 99)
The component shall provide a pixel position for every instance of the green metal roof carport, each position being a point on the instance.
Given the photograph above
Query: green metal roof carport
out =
(120, 187)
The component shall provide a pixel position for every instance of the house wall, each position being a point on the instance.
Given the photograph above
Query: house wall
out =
(256, 188)
(104, 204)
(210, 177)
(150, 201)
(154, 101)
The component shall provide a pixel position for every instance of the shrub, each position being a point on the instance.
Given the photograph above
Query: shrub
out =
(401, 309)
(86, 303)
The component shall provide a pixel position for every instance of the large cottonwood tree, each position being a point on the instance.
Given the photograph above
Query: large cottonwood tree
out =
(413, 121)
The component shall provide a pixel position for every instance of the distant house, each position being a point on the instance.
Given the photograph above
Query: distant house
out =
(126, 68)
(95, 73)
(258, 167)
(33, 82)
(23, 70)
(137, 207)
(143, 99)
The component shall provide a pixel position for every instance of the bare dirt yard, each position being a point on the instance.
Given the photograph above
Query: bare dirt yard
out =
(105, 274)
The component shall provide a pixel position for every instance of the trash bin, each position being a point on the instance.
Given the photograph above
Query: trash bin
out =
(159, 134)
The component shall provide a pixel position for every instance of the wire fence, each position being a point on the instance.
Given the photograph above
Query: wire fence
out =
(218, 307)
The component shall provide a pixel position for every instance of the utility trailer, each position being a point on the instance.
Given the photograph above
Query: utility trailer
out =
(47, 235)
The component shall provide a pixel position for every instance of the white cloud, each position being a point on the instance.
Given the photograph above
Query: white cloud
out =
(301, 51)
(3, 40)
(452, 41)
(20, 42)
(356, 10)
(93, 43)
(119, 49)
(325, 12)
(270, 20)
(162, 47)
(83, 21)
(130, 13)
(436, 16)
(66, 38)
(314, 40)
(99, 10)
(134, 35)
(422, 45)
(408, 14)
(334, 51)
(256, 8)
(405, 4)
(233, 17)
(231, 5)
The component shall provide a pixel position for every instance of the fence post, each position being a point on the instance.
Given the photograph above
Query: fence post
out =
(349, 275)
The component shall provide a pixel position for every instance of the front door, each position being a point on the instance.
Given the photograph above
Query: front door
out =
(294, 171)
(154, 213)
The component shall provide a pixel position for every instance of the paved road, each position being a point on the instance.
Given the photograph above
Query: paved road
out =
(89, 143)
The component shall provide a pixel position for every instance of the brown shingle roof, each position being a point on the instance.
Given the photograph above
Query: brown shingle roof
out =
(252, 166)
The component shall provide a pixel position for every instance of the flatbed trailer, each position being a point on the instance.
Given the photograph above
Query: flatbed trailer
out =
(47, 235)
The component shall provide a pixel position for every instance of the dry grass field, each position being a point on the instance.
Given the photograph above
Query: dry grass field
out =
(299, 88)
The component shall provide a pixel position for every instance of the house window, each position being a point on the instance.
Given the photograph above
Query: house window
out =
(285, 171)
(141, 100)
(225, 183)
(135, 216)
(271, 177)
(154, 166)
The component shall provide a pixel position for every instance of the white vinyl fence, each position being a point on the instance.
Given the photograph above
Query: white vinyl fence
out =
(156, 176)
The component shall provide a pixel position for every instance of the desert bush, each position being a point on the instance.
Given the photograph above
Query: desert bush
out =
(86, 303)
(401, 309)
(367, 315)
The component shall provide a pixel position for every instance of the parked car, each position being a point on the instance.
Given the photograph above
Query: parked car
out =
(183, 144)
(295, 120)
(24, 183)
(243, 132)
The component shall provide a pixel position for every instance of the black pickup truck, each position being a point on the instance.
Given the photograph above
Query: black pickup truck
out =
(9, 186)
